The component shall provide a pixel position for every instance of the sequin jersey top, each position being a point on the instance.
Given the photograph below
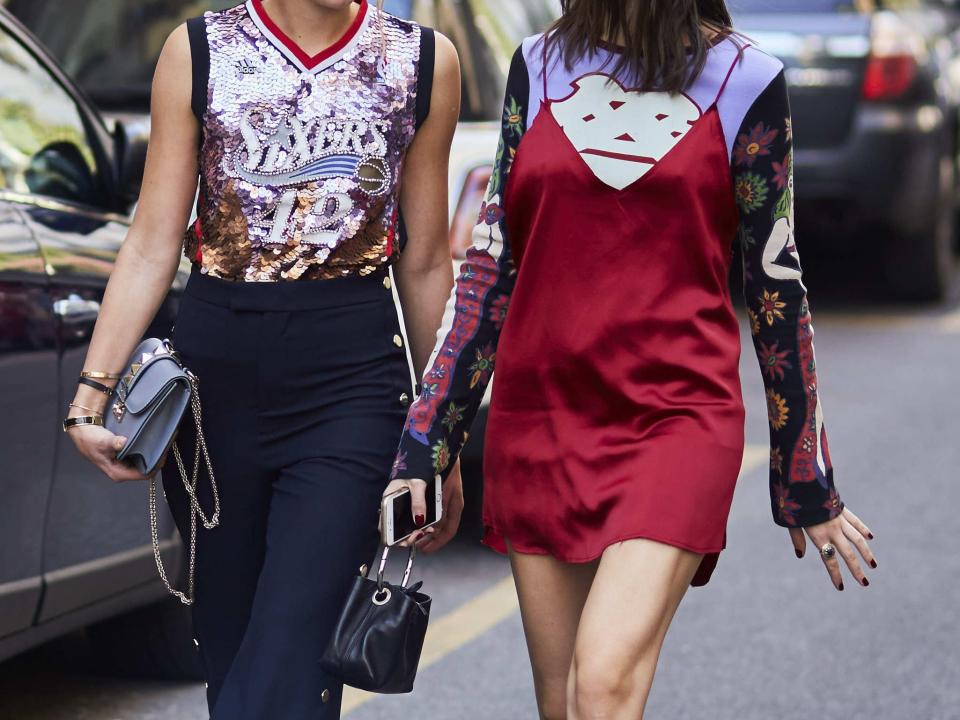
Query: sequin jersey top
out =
(300, 156)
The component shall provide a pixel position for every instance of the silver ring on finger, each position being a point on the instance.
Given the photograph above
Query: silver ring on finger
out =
(828, 550)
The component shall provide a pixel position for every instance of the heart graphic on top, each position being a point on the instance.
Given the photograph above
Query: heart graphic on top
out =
(622, 134)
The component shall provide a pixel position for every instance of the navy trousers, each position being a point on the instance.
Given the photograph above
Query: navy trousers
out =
(304, 388)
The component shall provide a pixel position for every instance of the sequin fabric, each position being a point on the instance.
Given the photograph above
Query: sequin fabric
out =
(300, 170)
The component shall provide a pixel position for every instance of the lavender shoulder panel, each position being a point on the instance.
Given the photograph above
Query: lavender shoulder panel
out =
(750, 76)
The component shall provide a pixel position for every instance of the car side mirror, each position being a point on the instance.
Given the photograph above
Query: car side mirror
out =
(60, 170)
(130, 142)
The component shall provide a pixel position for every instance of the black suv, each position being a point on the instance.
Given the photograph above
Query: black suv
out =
(874, 90)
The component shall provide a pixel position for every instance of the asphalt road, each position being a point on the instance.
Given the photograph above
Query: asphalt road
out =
(768, 637)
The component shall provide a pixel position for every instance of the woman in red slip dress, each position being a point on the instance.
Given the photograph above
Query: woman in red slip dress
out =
(616, 426)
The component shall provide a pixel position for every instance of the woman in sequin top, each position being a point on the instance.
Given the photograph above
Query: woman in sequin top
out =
(598, 285)
(320, 133)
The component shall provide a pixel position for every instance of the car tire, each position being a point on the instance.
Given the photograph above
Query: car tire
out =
(921, 266)
(152, 642)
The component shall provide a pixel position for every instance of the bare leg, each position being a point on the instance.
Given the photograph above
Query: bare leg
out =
(552, 594)
(634, 596)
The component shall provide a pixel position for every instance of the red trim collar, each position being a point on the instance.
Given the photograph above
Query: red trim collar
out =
(308, 61)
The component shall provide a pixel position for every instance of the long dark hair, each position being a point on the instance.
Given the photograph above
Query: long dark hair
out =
(664, 43)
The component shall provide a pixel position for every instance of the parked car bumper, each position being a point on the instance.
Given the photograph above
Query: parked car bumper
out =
(885, 174)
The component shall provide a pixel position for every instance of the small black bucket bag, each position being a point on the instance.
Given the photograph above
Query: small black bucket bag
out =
(377, 642)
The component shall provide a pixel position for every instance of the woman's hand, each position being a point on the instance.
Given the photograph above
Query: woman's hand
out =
(444, 531)
(100, 446)
(433, 538)
(845, 532)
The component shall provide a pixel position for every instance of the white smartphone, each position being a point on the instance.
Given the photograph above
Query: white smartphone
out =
(396, 517)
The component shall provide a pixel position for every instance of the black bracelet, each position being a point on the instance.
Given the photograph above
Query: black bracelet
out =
(82, 420)
(105, 389)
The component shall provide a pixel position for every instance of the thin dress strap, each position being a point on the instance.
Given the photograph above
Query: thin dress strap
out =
(543, 70)
(736, 59)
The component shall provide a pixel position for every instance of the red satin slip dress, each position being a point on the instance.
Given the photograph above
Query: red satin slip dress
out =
(617, 412)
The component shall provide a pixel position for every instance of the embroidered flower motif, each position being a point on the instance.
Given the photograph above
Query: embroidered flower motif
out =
(802, 469)
(832, 503)
(776, 460)
(441, 455)
(428, 390)
(501, 168)
(781, 172)
(511, 154)
(808, 444)
(399, 465)
(771, 305)
(483, 365)
(750, 190)
(513, 117)
(490, 213)
(453, 415)
(788, 124)
(498, 311)
(754, 322)
(787, 507)
(753, 144)
(773, 360)
(777, 410)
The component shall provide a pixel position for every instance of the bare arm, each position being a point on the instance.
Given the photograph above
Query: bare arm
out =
(148, 260)
(424, 272)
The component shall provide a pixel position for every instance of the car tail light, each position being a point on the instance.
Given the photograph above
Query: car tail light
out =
(887, 78)
(468, 206)
(895, 51)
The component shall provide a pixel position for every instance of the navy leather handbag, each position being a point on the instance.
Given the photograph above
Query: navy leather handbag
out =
(378, 639)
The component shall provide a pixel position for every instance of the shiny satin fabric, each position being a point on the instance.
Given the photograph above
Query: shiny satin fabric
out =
(616, 410)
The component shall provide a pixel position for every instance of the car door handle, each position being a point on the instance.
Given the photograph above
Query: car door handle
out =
(74, 305)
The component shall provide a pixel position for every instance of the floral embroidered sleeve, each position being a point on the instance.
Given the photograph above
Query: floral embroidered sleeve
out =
(463, 359)
(801, 477)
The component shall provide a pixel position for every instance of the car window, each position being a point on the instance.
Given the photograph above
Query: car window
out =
(43, 141)
(110, 47)
(485, 32)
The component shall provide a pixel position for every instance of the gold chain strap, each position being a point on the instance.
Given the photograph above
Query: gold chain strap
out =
(195, 510)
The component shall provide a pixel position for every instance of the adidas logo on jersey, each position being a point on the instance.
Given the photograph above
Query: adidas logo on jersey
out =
(245, 67)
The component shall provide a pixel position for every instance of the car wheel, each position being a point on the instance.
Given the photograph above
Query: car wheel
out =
(152, 642)
(922, 266)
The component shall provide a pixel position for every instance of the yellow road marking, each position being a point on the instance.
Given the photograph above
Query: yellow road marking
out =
(753, 457)
(475, 617)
